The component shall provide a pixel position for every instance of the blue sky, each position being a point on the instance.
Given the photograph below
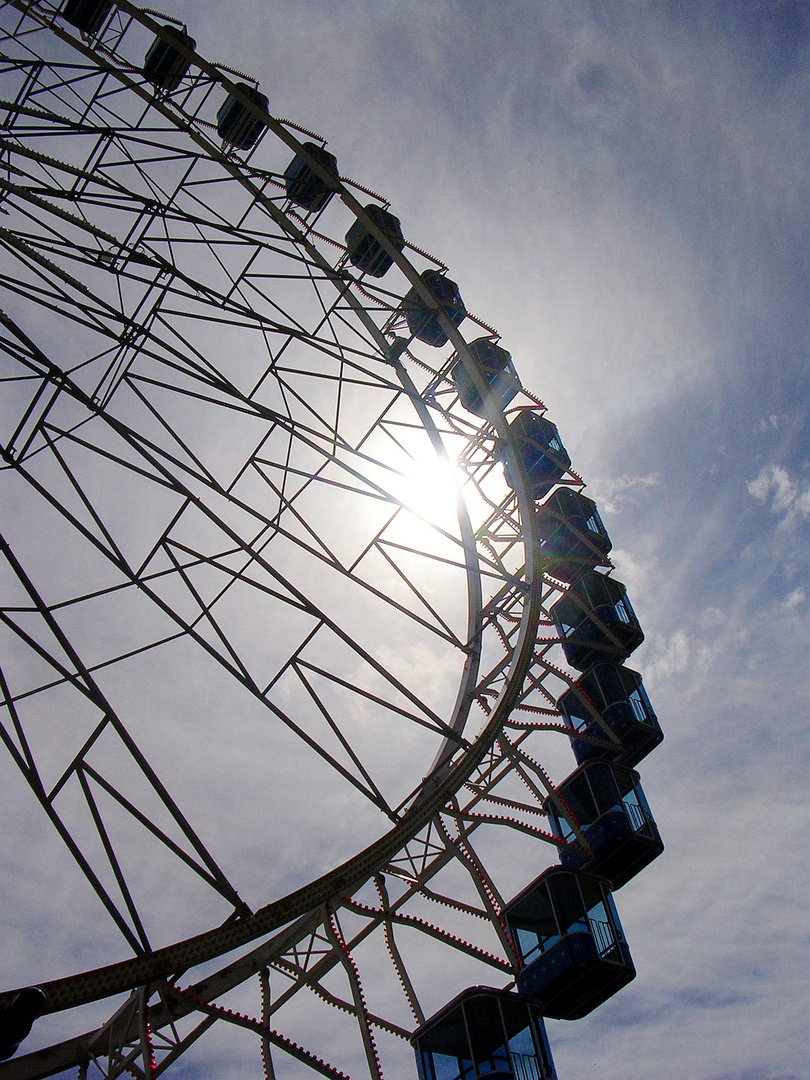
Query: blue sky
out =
(622, 189)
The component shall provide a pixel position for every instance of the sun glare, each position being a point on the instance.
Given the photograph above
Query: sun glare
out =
(428, 490)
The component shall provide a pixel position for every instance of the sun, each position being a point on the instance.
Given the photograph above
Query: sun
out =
(428, 491)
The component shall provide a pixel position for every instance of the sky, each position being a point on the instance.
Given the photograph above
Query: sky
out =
(621, 188)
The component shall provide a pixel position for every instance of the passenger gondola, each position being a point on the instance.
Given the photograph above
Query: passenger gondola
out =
(304, 186)
(87, 15)
(484, 1034)
(570, 942)
(573, 536)
(165, 65)
(496, 368)
(237, 124)
(422, 319)
(596, 622)
(365, 250)
(541, 450)
(612, 716)
(612, 811)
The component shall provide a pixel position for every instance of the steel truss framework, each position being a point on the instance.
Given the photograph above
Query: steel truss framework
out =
(214, 431)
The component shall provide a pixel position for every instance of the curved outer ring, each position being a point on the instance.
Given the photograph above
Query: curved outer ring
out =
(447, 777)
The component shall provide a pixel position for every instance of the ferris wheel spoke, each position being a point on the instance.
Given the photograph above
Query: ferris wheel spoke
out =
(469, 816)
(212, 875)
(429, 719)
(77, 674)
(305, 979)
(303, 948)
(51, 438)
(438, 626)
(430, 929)
(299, 666)
(350, 967)
(100, 318)
(434, 557)
(112, 859)
(425, 717)
(80, 768)
(310, 960)
(485, 887)
(389, 706)
(16, 740)
(394, 952)
(41, 252)
(127, 919)
(419, 593)
(132, 932)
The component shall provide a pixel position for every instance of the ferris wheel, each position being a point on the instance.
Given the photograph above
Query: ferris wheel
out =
(302, 606)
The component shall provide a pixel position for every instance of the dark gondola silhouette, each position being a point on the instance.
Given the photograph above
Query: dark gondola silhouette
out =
(495, 365)
(541, 450)
(573, 538)
(237, 124)
(570, 942)
(422, 319)
(365, 250)
(611, 714)
(611, 809)
(484, 1034)
(165, 65)
(596, 621)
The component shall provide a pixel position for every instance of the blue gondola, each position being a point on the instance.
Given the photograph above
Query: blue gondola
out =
(610, 807)
(422, 320)
(484, 1034)
(365, 251)
(87, 15)
(541, 449)
(596, 622)
(573, 537)
(570, 942)
(165, 65)
(303, 185)
(18, 1017)
(495, 365)
(610, 697)
(236, 122)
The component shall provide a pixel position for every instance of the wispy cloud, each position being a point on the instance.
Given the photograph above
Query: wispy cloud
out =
(792, 600)
(612, 493)
(787, 496)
